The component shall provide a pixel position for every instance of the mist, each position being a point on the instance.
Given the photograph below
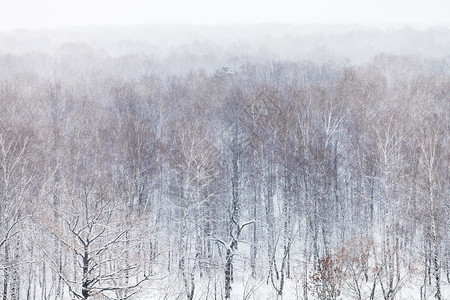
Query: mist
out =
(182, 48)
(225, 153)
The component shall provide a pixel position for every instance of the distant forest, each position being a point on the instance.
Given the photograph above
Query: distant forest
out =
(259, 162)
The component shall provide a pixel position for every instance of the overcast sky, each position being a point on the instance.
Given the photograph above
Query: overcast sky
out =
(37, 14)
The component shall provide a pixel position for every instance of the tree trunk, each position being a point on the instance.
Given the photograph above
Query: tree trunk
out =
(85, 283)
(6, 273)
(228, 273)
(437, 271)
(15, 286)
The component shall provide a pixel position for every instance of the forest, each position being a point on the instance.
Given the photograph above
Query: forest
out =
(284, 167)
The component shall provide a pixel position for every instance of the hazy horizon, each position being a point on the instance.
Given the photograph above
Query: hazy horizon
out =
(51, 14)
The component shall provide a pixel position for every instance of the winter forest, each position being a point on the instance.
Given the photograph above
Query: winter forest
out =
(243, 163)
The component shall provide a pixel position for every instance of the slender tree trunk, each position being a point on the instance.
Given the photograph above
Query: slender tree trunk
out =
(188, 275)
(228, 273)
(15, 286)
(44, 281)
(437, 271)
(6, 273)
(85, 283)
(254, 249)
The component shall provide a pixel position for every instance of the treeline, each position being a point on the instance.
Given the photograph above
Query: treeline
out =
(331, 176)
(181, 48)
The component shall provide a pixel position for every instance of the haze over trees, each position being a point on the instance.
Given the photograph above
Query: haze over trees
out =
(300, 163)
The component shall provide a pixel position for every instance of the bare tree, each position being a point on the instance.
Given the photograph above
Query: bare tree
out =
(434, 163)
(16, 176)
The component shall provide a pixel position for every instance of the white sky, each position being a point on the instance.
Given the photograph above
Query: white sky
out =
(37, 14)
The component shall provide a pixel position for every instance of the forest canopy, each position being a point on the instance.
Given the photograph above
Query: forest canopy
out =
(285, 161)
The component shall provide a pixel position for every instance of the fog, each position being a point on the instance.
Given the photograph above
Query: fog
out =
(64, 13)
(211, 34)
(181, 48)
(224, 150)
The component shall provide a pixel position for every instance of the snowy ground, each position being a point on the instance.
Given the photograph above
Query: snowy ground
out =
(246, 288)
